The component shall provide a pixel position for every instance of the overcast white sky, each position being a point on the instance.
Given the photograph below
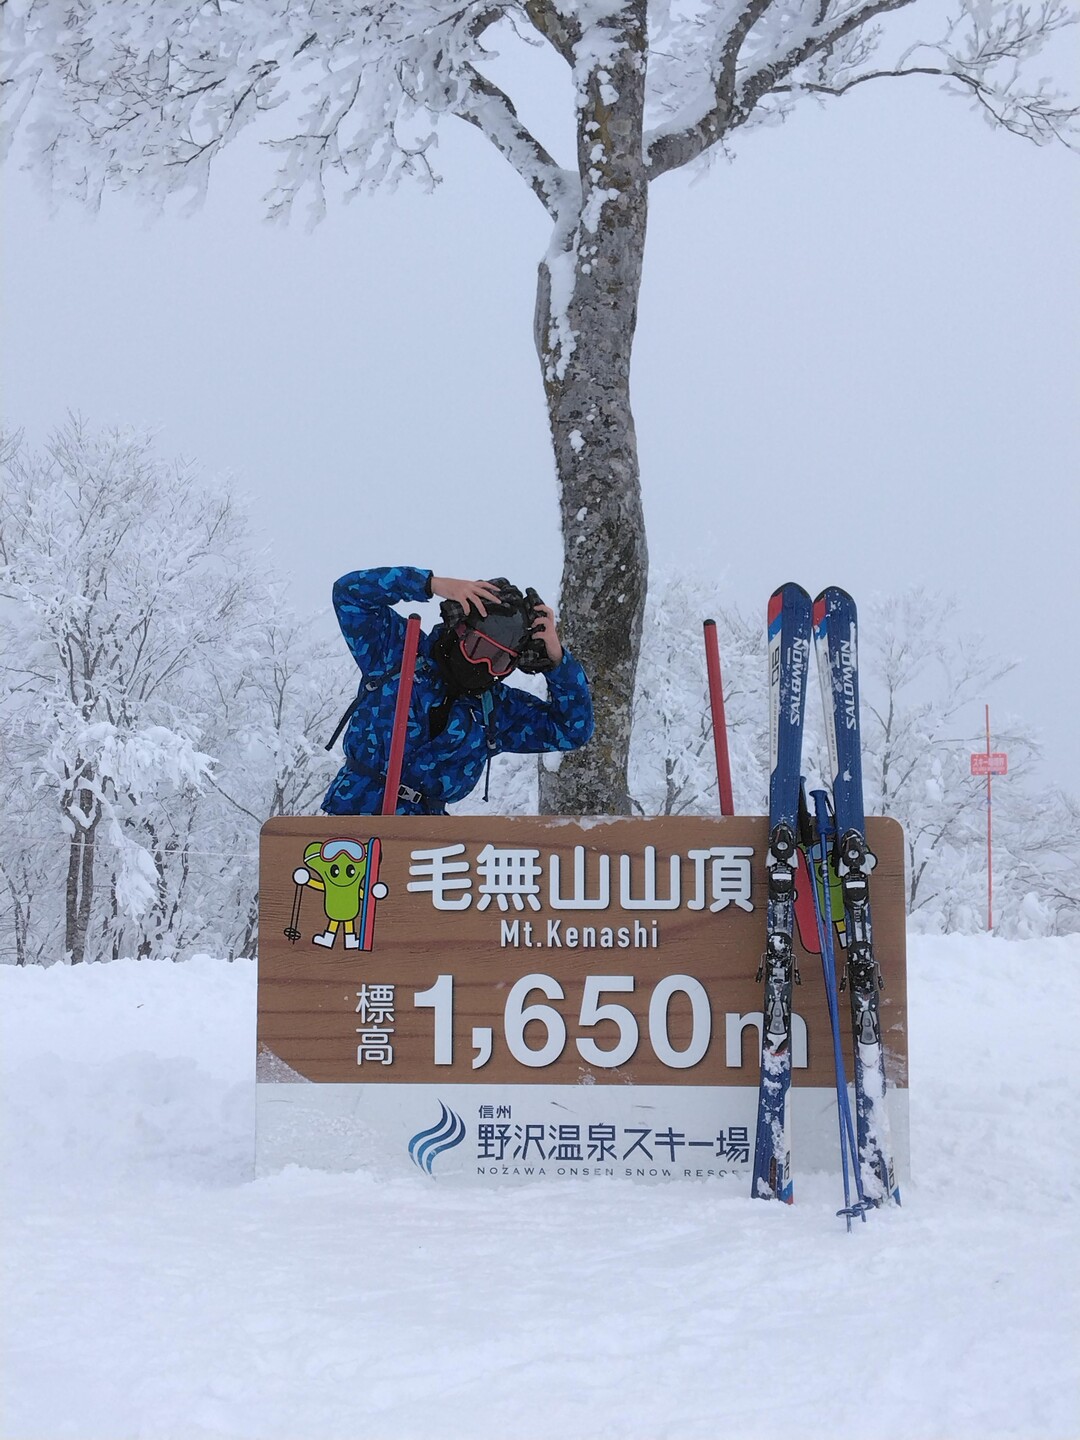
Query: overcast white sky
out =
(856, 364)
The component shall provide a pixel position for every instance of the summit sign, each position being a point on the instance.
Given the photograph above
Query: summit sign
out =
(577, 989)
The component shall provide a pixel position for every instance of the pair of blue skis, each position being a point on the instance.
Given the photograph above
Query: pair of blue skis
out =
(833, 621)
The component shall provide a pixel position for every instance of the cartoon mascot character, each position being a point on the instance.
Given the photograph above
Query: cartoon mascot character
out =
(345, 872)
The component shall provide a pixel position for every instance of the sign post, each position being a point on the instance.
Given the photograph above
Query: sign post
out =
(989, 762)
(719, 720)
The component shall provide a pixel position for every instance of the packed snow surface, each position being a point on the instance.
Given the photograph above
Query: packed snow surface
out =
(154, 1290)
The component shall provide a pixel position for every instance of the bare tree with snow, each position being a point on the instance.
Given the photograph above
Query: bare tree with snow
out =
(107, 614)
(672, 754)
(349, 95)
(922, 701)
(924, 680)
(275, 710)
(158, 702)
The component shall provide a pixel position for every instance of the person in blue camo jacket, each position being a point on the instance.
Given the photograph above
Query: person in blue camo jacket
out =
(461, 714)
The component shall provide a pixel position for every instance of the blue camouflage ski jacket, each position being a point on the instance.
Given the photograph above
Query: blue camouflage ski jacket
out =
(446, 768)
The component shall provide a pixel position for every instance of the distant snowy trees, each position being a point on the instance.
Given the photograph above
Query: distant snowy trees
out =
(672, 758)
(349, 95)
(924, 681)
(158, 702)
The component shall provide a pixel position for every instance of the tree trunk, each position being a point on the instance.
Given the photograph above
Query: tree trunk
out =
(21, 900)
(585, 320)
(80, 878)
(80, 893)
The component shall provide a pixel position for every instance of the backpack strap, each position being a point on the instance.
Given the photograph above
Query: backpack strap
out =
(487, 704)
(368, 686)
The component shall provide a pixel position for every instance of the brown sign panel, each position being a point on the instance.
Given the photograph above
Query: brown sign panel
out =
(496, 950)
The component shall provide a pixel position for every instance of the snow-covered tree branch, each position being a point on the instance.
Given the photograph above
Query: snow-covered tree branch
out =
(349, 96)
(149, 673)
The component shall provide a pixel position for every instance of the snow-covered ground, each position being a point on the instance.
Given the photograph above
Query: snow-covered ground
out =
(153, 1290)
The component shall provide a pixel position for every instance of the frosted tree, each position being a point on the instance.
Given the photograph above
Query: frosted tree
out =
(349, 95)
(267, 734)
(1038, 878)
(121, 577)
(672, 754)
(923, 684)
(925, 681)
(1036, 866)
(158, 702)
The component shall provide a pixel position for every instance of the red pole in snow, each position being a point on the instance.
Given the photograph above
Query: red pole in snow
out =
(989, 836)
(401, 716)
(719, 722)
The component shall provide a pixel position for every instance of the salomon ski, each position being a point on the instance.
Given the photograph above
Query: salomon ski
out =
(836, 642)
(789, 663)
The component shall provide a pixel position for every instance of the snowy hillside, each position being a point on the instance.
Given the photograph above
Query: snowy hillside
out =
(153, 1290)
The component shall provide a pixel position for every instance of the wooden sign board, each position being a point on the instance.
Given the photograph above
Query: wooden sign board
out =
(531, 998)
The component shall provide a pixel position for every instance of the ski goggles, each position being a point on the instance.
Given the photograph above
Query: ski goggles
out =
(331, 849)
(483, 649)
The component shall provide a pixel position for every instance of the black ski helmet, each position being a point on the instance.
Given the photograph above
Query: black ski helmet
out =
(509, 622)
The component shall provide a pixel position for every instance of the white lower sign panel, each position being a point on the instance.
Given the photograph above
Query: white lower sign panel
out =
(528, 1133)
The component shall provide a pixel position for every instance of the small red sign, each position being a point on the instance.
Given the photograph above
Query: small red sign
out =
(996, 763)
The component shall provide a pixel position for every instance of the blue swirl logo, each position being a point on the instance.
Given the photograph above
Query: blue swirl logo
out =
(425, 1147)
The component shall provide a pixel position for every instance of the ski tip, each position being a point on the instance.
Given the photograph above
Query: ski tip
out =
(789, 595)
(832, 601)
(833, 596)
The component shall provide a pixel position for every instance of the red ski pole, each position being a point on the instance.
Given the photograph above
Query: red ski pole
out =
(401, 716)
(719, 722)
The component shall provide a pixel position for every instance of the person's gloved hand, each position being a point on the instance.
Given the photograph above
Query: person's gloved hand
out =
(469, 594)
(545, 630)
